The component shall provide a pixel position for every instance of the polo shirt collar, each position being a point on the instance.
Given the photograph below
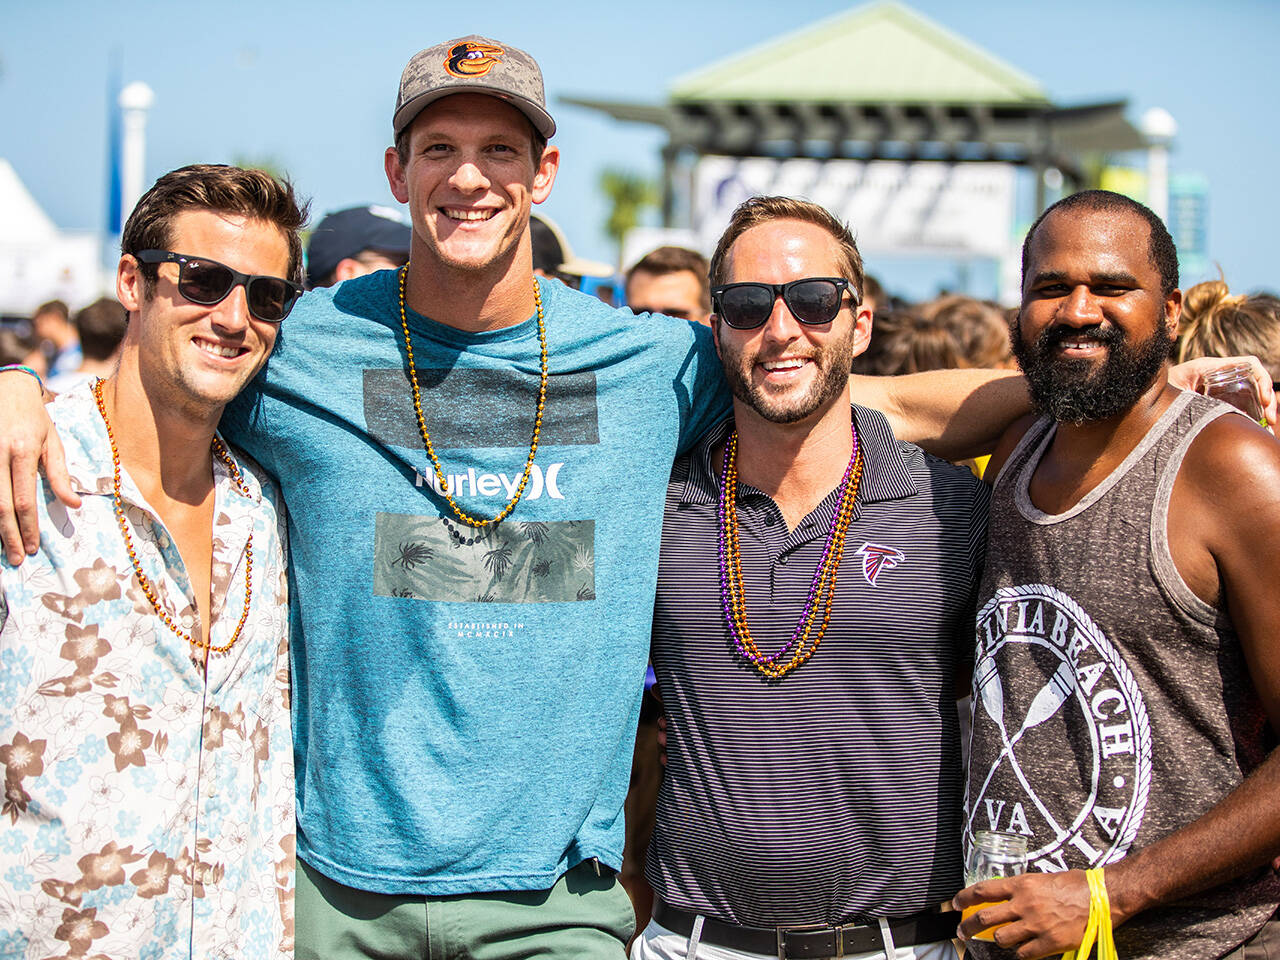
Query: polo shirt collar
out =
(885, 474)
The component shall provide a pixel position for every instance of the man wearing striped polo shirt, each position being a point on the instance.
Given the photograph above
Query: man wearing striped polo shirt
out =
(811, 805)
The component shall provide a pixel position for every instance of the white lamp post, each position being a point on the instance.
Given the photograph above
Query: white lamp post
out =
(1159, 128)
(135, 101)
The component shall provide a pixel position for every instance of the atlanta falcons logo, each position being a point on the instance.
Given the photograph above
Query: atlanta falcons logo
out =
(876, 558)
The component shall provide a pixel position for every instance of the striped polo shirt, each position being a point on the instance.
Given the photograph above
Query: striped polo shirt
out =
(833, 794)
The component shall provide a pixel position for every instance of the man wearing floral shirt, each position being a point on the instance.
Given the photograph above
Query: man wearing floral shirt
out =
(148, 806)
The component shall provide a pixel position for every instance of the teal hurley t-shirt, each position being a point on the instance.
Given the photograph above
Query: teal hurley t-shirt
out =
(465, 702)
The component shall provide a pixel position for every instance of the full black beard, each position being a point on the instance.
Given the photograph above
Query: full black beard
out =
(1064, 389)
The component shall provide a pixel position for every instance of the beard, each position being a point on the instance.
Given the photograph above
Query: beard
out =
(1077, 390)
(791, 404)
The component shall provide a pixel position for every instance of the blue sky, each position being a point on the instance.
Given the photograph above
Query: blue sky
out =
(312, 87)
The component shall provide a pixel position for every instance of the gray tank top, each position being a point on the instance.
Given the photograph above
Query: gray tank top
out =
(1111, 705)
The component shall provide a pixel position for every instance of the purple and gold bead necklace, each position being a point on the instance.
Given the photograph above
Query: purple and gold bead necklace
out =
(803, 640)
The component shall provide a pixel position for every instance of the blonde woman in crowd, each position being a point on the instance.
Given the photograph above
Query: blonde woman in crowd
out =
(1218, 323)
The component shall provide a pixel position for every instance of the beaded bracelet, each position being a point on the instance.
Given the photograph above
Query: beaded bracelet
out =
(25, 369)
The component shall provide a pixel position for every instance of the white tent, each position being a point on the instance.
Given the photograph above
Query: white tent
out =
(37, 260)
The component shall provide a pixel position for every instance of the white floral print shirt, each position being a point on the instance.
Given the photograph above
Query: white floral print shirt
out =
(148, 807)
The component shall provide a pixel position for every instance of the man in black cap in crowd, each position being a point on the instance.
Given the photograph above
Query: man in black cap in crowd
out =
(352, 242)
(553, 256)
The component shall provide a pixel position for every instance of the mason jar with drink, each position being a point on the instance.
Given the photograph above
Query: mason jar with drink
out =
(994, 853)
(1234, 385)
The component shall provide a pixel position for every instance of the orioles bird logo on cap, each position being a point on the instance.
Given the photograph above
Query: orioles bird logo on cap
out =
(472, 59)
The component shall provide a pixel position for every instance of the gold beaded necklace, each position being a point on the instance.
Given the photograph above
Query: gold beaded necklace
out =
(422, 422)
(148, 588)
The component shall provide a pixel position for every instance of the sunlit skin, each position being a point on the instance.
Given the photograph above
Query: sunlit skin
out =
(470, 181)
(677, 294)
(784, 364)
(180, 364)
(791, 380)
(1086, 272)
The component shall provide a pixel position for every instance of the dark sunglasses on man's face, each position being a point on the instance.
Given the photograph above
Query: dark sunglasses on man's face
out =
(207, 282)
(811, 300)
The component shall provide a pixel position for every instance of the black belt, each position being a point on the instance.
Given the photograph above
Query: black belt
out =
(812, 940)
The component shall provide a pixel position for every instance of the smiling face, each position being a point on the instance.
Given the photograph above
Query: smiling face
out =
(1094, 332)
(191, 357)
(786, 371)
(470, 177)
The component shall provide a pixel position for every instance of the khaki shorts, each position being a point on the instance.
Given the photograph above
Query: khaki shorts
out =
(583, 917)
(1263, 945)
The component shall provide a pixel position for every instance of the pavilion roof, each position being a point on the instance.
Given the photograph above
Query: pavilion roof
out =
(883, 52)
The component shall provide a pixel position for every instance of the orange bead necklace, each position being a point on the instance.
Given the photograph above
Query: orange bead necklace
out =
(148, 589)
(422, 421)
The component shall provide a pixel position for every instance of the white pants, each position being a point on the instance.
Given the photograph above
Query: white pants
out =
(659, 943)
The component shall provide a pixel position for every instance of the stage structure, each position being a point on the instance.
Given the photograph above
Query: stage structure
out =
(911, 132)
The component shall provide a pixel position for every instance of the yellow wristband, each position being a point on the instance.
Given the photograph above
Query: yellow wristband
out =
(1099, 926)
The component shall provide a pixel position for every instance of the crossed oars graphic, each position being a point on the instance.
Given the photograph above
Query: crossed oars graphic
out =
(1047, 701)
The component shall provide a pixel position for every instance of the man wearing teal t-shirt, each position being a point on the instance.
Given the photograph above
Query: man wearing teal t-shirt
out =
(466, 691)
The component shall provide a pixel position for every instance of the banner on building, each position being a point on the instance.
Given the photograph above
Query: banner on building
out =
(893, 207)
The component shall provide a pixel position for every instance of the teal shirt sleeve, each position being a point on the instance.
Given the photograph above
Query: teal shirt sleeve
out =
(244, 423)
(700, 388)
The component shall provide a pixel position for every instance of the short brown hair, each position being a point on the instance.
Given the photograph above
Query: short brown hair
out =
(1218, 323)
(253, 194)
(15, 345)
(53, 306)
(101, 326)
(906, 341)
(665, 260)
(979, 326)
(760, 210)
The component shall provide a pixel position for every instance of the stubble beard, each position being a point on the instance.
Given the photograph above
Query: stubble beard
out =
(1078, 390)
(833, 361)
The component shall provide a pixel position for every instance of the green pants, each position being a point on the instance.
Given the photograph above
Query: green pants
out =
(583, 917)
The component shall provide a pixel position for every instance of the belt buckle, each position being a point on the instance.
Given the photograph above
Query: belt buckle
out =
(781, 932)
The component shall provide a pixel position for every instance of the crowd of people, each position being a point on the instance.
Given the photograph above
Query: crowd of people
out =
(330, 584)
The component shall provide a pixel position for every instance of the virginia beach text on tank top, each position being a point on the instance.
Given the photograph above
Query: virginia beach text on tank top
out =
(1111, 705)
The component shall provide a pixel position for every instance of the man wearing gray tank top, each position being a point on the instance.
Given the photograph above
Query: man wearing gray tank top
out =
(1127, 673)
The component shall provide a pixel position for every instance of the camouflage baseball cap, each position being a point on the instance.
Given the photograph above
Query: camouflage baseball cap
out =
(473, 65)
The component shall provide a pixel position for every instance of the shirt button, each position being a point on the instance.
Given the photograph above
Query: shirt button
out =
(783, 559)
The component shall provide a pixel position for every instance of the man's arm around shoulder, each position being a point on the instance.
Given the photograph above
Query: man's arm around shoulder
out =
(957, 414)
(953, 414)
(27, 440)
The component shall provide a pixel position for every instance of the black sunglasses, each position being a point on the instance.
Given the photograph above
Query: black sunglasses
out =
(811, 300)
(207, 282)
